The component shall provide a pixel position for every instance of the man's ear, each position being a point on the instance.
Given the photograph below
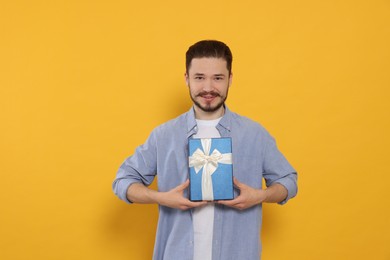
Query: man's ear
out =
(186, 79)
(230, 78)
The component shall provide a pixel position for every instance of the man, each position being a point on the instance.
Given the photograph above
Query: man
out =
(207, 230)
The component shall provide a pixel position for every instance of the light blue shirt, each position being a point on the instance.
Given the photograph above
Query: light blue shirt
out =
(165, 154)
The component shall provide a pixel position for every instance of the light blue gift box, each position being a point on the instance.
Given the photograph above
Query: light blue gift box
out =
(219, 159)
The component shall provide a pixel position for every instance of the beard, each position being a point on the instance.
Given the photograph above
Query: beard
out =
(208, 107)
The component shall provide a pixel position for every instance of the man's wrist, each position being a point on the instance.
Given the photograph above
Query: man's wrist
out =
(154, 196)
(275, 193)
(265, 195)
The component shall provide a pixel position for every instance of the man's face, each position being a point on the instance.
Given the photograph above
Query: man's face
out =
(208, 80)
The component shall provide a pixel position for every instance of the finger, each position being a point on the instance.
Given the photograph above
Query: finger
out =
(201, 203)
(229, 203)
(236, 204)
(224, 202)
(183, 186)
(193, 204)
(237, 183)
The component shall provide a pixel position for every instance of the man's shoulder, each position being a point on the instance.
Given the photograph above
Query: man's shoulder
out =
(175, 124)
(246, 122)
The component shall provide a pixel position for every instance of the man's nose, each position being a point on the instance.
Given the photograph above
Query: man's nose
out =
(208, 85)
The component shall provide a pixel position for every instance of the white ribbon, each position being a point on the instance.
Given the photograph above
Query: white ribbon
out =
(209, 162)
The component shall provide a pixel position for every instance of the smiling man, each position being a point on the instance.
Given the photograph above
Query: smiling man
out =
(228, 229)
(208, 80)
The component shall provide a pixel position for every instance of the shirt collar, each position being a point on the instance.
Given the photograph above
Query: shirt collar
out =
(225, 121)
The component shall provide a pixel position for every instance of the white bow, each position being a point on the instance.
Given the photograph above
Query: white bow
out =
(209, 163)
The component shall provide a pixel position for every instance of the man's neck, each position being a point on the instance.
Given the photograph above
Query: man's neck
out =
(203, 115)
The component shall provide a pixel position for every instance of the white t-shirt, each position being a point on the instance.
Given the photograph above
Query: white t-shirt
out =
(203, 217)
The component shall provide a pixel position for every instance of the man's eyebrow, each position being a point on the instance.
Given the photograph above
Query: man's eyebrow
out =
(214, 75)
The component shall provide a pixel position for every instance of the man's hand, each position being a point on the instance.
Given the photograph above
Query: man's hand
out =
(139, 193)
(175, 199)
(248, 197)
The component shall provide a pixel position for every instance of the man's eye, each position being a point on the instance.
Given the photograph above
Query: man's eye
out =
(218, 78)
(198, 77)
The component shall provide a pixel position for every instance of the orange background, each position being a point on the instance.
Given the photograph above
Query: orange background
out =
(83, 83)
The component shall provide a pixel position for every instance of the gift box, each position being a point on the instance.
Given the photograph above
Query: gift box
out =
(210, 169)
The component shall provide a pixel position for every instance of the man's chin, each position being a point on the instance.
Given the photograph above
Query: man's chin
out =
(209, 108)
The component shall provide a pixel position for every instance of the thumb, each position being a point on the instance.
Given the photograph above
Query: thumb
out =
(184, 185)
(237, 183)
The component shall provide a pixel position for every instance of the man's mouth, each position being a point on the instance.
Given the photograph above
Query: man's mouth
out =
(209, 95)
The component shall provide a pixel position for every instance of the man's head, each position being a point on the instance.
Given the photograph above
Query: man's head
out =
(208, 76)
(209, 49)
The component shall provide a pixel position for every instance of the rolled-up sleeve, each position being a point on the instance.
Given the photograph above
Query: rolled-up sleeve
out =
(278, 170)
(141, 167)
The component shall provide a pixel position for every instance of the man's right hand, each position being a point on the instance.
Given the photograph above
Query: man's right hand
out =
(138, 193)
(175, 199)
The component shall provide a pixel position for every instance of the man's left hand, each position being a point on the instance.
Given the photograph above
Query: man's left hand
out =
(248, 197)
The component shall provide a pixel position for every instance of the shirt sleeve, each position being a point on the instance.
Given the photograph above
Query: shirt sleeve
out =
(278, 170)
(141, 167)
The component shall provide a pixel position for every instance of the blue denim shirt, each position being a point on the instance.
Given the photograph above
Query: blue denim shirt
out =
(165, 154)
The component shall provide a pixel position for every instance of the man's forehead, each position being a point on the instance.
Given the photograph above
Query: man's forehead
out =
(208, 60)
(209, 65)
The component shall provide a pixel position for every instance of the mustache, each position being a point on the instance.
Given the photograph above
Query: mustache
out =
(209, 93)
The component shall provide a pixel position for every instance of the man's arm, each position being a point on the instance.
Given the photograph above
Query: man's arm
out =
(138, 172)
(139, 193)
(250, 197)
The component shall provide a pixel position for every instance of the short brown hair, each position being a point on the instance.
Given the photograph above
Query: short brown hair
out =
(209, 49)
